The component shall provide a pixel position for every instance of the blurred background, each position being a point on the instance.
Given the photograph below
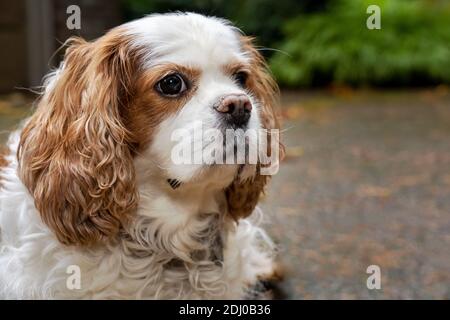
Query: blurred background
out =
(366, 116)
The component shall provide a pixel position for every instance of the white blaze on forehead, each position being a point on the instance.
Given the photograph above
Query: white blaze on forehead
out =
(186, 38)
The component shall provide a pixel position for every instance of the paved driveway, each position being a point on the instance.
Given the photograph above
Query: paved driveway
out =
(366, 182)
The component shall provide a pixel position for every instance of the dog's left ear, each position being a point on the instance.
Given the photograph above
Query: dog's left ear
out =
(242, 196)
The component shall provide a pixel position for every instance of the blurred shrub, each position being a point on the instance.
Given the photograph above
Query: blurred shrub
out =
(334, 46)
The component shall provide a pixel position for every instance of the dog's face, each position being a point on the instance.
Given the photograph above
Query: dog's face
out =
(119, 99)
(197, 74)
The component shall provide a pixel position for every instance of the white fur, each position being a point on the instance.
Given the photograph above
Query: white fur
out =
(172, 247)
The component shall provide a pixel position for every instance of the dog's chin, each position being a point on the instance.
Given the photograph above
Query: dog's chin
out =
(212, 171)
(212, 177)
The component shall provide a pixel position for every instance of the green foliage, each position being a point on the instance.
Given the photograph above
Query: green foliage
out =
(335, 46)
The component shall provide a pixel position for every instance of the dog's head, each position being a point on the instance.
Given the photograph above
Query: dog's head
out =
(120, 98)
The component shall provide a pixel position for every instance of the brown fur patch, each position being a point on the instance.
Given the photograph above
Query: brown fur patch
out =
(150, 108)
(270, 286)
(235, 67)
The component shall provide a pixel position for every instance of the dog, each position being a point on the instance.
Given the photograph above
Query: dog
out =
(92, 205)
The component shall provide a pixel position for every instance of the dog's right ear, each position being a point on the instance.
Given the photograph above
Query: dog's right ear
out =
(74, 153)
(242, 196)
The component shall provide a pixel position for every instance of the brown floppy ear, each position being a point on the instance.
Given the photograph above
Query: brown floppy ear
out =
(242, 196)
(74, 154)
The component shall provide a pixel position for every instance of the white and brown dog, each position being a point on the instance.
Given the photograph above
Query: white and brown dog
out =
(88, 181)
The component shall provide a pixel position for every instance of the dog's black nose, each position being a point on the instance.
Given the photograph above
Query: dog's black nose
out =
(236, 108)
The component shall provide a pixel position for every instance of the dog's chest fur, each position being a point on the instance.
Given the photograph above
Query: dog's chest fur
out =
(172, 251)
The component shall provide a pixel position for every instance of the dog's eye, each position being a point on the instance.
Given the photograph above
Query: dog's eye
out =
(171, 85)
(241, 78)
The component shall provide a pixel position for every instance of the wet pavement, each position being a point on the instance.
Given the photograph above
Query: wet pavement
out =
(366, 181)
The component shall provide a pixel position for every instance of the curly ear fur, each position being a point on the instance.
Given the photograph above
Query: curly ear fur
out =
(242, 196)
(74, 153)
